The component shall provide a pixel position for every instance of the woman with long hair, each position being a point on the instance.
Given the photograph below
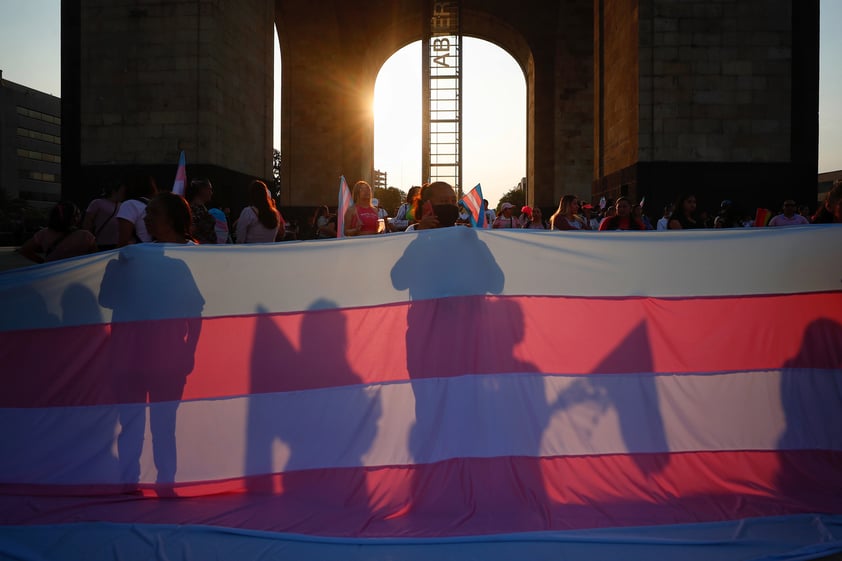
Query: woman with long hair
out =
(259, 222)
(62, 237)
(567, 216)
(362, 219)
(684, 215)
(168, 219)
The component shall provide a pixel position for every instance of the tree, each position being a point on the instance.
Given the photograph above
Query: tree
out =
(514, 196)
(390, 198)
(276, 171)
(19, 219)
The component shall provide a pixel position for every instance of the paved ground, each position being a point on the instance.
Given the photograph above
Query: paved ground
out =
(9, 259)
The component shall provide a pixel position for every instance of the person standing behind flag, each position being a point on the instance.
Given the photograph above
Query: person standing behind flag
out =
(101, 216)
(361, 219)
(438, 207)
(506, 219)
(536, 221)
(624, 219)
(130, 225)
(199, 194)
(259, 222)
(567, 217)
(408, 211)
(168, 219)
(684, 214)
(490, 215)
(789, 216)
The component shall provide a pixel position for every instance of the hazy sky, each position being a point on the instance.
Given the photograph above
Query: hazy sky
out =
(494, 98)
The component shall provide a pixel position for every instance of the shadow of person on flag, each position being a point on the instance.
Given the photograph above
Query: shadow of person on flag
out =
(448, 273)
(310, 419)
(635, 399)
(86, 377)
(21, 352)
(810, 448)
(155, 327)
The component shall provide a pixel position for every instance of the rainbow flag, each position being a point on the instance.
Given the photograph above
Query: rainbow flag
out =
(345, 202)
(180, 175)
(472, 201)
(762, 217)
(403, 405)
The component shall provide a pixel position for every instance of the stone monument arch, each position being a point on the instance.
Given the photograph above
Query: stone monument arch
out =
(642, 97)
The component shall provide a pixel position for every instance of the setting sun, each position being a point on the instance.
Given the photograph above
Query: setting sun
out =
(493, 118)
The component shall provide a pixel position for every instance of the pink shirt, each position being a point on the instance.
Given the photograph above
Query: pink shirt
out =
(782, 220)
(368, 217)
(103, 213)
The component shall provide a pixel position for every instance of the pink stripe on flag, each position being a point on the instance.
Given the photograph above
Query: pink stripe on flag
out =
(467, 496)
(326, 348)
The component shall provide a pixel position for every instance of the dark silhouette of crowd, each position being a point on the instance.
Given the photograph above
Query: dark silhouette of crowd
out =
(118, 217)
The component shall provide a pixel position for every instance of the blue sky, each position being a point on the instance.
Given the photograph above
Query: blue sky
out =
(30, 55)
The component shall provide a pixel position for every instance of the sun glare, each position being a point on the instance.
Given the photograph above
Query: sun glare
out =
(493, 119)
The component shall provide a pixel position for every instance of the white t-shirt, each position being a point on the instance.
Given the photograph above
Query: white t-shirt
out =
(663, 223)
(134, 211)
(250, 230)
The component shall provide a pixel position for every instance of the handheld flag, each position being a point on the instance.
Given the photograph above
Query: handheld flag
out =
(642, 200)
(344, 204)
(762, 217)
(180, 176)
(472, 201)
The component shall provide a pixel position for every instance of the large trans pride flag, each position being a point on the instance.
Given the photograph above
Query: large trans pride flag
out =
(448, 394)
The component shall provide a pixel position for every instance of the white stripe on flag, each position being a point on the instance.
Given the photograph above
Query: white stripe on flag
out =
(471, 416)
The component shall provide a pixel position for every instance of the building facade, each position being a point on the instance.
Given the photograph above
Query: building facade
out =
(624, 97)
(30, 144)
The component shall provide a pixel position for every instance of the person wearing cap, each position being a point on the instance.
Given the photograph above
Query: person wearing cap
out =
(789, 217)
(525, 216)
(536, 221)
(506, 218)
(729, 216)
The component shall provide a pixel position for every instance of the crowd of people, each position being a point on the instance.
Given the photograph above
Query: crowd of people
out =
(136, 212)
(571, 214)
